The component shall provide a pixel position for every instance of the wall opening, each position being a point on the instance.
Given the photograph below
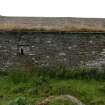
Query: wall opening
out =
(23, 50)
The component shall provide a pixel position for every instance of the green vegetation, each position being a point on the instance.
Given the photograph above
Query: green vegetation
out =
(29, 87)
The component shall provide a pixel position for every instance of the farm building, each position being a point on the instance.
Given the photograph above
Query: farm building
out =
(52, 41)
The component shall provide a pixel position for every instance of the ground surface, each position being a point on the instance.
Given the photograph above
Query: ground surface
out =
(35, 90)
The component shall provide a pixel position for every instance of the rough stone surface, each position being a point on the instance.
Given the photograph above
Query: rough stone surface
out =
(46, 48)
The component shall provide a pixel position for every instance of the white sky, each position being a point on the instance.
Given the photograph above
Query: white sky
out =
(53, 8)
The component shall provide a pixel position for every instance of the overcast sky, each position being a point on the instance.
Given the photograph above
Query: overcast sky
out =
(53, 8)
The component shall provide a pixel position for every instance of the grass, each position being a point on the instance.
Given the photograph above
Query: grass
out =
(51, 24)
(32, 88)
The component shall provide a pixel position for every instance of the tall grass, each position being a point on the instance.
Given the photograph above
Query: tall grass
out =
(39, 82)
(20, 74)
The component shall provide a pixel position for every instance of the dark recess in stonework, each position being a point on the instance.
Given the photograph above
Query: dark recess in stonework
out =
(22, 51)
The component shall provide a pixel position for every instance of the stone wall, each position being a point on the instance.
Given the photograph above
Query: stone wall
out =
(46, 48)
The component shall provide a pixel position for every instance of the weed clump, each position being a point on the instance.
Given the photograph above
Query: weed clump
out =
(19, 101)
(18, 75)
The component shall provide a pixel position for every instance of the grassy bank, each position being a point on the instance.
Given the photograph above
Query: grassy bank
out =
(31, 87)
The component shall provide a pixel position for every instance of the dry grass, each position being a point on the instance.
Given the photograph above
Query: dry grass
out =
(52, 24)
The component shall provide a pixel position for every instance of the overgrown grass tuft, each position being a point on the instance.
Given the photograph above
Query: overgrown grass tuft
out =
(21, 75)
(62, 72)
